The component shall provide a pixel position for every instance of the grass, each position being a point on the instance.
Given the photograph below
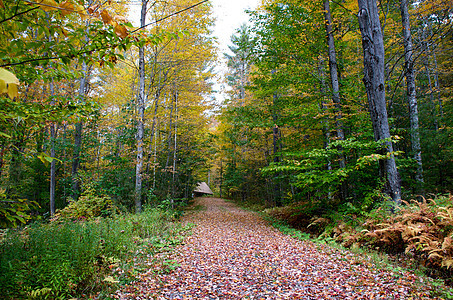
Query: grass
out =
(77, 259)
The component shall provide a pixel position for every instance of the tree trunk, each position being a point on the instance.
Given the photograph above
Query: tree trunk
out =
(141, 116)
(333, 68)
(153, 130)
(374, 80)
(170, 125)
(221, 178)
(79, 126)
(276, 148)
(410, 90)
(175, 146)
(52, 155)
(155, 158)
(76, 160)
(324, 122)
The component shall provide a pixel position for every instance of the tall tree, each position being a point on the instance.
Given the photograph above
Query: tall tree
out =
(333, 68)
(374, 79)
(141, 100)
(410, 90)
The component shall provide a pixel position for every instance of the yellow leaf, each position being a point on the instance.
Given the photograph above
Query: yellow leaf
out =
(3, 87)
(106, 18)
(8, 83)
(66, 8)
(1, 4)
(12, 90)
(8, 77)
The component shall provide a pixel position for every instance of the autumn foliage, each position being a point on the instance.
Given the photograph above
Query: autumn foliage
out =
(421, 231)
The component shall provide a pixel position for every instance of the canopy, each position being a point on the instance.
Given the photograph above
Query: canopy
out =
(203, 188)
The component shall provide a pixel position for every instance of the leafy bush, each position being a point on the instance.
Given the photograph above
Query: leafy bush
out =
(309, 172)
(14, 212)
(72, 259)
(88, 206)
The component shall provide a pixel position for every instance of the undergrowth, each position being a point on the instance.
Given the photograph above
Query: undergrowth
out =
(383, 261)
(417, 235)
(75, 259)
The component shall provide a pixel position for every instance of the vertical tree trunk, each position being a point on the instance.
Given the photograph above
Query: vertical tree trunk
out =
(76, 160)
(52, 155)
(276, 149)
(175, 146)
(333, 68)
(324, 121)
(170, 125)
(155, 157)
(437, 89)
(335, 82)
(153, 131)
(374, 80)
(410, 90)
(79, 126)
(221, 178)
(141, 116)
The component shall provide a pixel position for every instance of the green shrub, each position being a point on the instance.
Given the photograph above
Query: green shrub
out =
(14, 212)
(63, 260)
(88, 206)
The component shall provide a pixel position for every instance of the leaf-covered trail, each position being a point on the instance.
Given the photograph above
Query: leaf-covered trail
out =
(235, 254)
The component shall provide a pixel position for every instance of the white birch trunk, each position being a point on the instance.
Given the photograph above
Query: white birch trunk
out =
(141, 100)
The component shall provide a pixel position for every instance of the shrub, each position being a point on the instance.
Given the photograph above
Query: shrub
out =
(14, 212)
(422, 230)
(88, 206)
(63, 260)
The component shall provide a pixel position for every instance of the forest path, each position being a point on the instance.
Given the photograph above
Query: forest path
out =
(235, 254)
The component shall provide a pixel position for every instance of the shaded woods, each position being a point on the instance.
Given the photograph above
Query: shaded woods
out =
(335, 116)
(338, 116)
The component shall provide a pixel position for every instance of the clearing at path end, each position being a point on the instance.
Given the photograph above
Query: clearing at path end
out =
(235, 254)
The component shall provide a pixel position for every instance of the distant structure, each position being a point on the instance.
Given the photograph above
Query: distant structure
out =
(202, 189)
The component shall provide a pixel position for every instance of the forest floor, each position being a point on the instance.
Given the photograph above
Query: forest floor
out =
(235, 254)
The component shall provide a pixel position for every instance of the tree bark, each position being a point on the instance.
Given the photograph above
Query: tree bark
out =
(79, 126)
(374, 80)
(276, 148)
(141, 116)
(170, 125)
(324, 121)
(410, 90)
(334, 78)
(52, 155)
(76, 160)
(175, 146)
